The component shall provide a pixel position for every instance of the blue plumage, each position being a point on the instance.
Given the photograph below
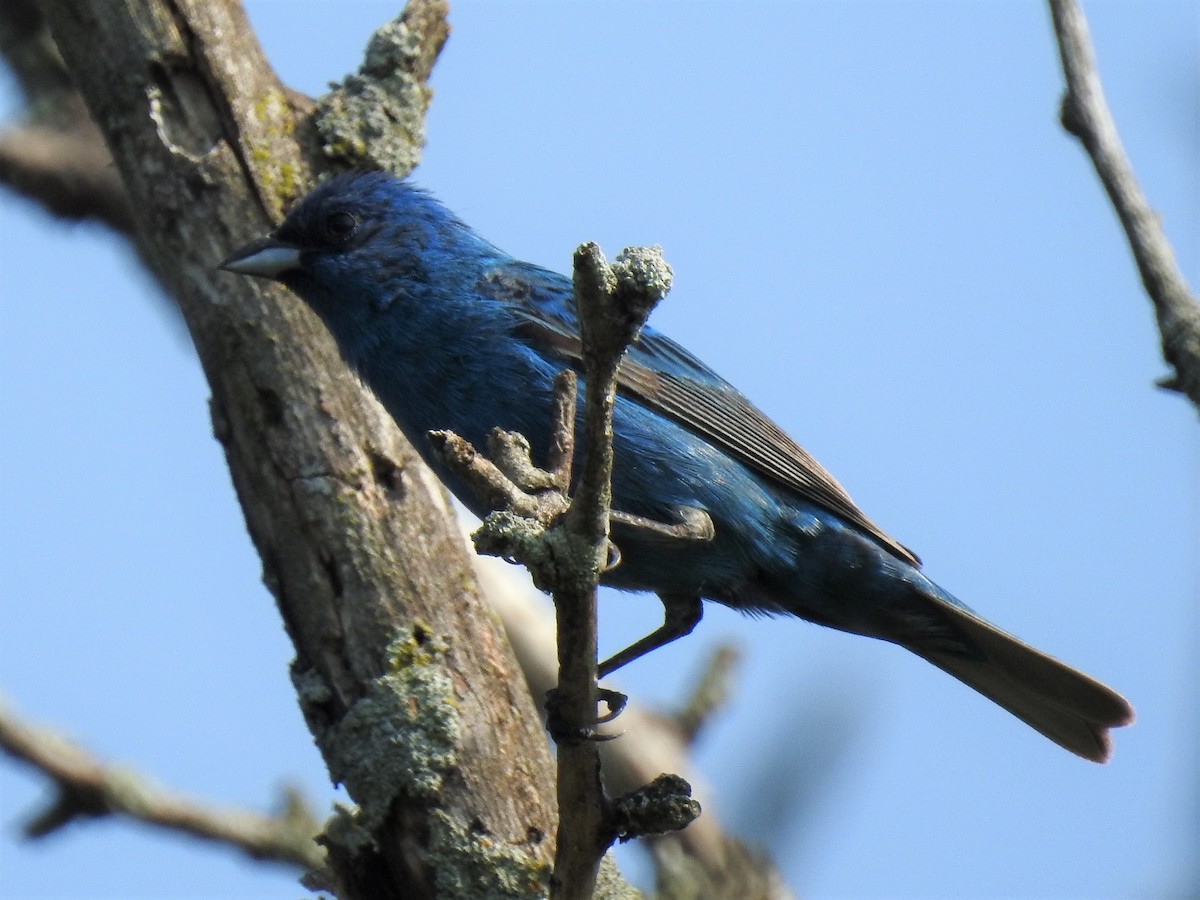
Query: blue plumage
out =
(453, 334)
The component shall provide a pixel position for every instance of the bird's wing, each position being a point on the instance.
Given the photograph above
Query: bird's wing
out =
(670, 381)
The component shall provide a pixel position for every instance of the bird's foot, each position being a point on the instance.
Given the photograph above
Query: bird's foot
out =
(565, 732)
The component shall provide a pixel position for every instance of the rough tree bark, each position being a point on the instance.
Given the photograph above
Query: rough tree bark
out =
(404, 674)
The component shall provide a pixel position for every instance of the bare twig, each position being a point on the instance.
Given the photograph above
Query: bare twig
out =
(87, 788)
(566, 548)
(613, 303)
(1085, 114)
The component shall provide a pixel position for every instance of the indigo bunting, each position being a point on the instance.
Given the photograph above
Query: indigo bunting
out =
(452, 333)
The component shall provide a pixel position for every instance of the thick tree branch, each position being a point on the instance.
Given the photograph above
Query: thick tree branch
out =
(87, 788)
(404, 675)
(1085, 114)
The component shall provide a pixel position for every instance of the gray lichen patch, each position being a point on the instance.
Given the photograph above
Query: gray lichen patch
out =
(643, 269)
(376, 118)
(471, 864)
(552, 556)
(400, 738)
(611, 886)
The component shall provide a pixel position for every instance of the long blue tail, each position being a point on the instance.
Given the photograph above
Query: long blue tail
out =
(1070, 708)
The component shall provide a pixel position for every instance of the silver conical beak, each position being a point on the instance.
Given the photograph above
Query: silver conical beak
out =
(266, 257)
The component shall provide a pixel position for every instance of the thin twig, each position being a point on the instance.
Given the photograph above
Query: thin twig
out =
(86, 788)
(565, 548)
(1085, 114)
(613, 303)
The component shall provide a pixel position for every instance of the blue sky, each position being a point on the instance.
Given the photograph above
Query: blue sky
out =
(880, 234)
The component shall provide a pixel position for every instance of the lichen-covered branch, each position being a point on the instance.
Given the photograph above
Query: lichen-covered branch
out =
(566, 547)
(87, 788)
(357, 540)
(375, 118)
(1085, 114)
(613, 303)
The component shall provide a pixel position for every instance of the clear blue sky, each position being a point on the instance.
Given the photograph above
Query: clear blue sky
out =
(881, 234)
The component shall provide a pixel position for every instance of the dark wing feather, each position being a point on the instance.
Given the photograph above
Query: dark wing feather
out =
(667, 379)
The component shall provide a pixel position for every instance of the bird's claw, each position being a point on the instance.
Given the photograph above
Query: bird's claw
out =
(614, 700)
(565, 732)
(612, 558)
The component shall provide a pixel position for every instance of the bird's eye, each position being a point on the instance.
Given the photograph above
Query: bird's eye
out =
(340, 225)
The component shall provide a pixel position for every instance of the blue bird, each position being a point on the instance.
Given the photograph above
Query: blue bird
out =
(452, 333)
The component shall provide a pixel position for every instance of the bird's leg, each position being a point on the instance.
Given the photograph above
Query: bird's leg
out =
(681, 612)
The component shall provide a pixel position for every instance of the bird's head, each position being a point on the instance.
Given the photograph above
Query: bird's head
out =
(356, 244)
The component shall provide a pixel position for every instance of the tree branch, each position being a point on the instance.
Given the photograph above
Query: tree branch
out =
(376, 118)
(87, 788)
(528, 525)
(613, 303)
(711, 693)
(1085, 114)
(566, 547)
(402, 672)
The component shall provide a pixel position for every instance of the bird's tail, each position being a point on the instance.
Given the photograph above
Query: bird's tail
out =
(1070, 708)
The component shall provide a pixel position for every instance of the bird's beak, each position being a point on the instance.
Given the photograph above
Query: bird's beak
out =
(266, 257)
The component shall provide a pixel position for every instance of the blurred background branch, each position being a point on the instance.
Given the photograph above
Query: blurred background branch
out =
(86, 788)
(56, 156)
